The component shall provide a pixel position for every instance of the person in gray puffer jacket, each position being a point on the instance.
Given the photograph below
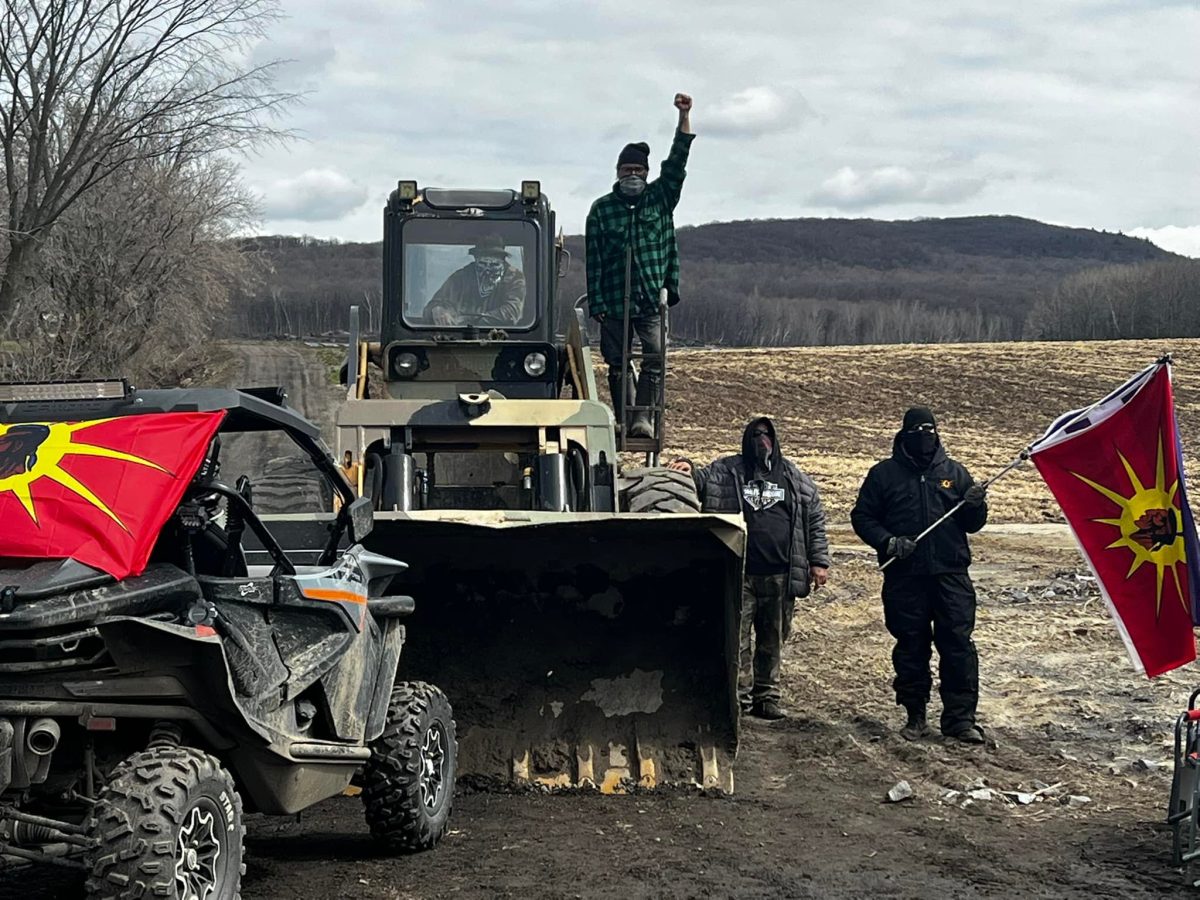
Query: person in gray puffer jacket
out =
(787, 551)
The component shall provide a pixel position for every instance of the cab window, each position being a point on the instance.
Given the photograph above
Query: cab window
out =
(458, 274)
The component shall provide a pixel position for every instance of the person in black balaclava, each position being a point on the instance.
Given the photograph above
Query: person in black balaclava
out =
(928, 598)
(787, 551)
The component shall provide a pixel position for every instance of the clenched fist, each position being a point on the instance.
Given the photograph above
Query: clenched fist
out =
(683, 103)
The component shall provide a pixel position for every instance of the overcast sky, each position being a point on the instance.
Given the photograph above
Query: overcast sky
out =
(1077, 112)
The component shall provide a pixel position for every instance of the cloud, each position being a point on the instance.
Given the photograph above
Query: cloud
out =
(1081, 111)
(318, 195)
(1184, 240)
(755, 111)
(850, 189)
(300, 59)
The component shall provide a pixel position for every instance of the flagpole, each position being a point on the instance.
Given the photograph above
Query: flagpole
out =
(1024, 455)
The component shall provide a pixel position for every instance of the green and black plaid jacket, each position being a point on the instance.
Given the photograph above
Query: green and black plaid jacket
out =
(647, 224)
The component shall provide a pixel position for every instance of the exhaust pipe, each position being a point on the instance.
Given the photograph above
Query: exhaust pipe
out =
(42, 737)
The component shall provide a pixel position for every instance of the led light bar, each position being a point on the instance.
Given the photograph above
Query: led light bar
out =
(42, 391)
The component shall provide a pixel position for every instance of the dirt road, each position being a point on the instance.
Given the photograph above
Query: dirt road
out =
(304, 373)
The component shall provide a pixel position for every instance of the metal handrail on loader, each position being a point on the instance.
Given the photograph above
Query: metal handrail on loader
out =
(651, 446)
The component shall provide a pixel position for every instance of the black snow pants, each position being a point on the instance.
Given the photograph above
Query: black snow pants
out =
(924, 611)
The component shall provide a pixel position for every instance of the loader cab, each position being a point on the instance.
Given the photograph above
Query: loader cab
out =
(470, 278)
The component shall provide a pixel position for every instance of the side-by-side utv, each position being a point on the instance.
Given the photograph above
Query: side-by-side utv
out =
(152, 684)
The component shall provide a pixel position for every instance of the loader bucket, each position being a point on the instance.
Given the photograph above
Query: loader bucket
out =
(593, 650)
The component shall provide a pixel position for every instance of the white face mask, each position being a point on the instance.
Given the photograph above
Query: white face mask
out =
(632, 185)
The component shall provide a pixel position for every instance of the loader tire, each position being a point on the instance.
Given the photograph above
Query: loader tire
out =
(167, 814)
(408, 783)
(658, 490)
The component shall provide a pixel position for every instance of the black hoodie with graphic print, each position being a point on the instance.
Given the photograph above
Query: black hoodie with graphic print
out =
(766, 504)
(723, 487)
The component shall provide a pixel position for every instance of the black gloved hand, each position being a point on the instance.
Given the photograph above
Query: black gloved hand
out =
(975, 496)
(901, 547)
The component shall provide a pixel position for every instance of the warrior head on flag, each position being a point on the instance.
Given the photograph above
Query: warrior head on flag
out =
(1116, 470)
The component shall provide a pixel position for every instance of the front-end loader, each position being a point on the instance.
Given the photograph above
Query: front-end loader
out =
(582, 619)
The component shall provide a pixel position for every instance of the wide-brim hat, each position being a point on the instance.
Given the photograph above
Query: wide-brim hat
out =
(489, 245)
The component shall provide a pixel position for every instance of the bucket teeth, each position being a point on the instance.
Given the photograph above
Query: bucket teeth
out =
(617, 772)
(585, 756)
(647, 771)
(520, 767)
(714, 778)
(617, 775)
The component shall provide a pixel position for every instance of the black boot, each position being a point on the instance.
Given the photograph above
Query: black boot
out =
(768, 709)
(916, 727)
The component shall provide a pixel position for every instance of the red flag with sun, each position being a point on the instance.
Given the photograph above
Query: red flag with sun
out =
(1116, 470)
(97, 491)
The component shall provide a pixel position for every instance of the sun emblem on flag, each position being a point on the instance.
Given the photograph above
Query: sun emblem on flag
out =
(1150, 524)
(31, 451)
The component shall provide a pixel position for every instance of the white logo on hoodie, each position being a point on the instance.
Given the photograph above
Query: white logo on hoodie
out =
(762, 495)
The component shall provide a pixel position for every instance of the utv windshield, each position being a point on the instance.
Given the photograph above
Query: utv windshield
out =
(469, 274)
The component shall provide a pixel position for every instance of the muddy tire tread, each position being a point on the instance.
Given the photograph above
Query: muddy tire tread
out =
(391, 788)
(658, 490)
(136, 803)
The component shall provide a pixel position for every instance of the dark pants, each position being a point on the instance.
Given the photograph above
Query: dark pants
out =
(767, 609)
(645, 388)
(937, 610)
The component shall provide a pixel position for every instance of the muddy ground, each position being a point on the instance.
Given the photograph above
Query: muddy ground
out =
(1060, 703)
(1066, 715)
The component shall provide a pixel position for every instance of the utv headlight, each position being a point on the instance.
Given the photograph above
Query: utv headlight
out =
(535, 364)
(405, 365)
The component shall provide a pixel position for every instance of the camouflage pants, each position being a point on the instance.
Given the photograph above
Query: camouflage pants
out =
(767, 609)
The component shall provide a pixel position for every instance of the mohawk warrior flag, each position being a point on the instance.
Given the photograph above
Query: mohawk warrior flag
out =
(1116, 469)
(97, 491)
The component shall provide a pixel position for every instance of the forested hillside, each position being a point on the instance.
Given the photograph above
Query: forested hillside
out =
(799, 281)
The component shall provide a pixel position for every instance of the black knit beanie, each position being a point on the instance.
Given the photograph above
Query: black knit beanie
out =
(635, 155)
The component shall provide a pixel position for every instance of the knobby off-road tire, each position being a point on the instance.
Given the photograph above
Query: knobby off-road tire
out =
(408, 783)
(170, 818)
(658, 490)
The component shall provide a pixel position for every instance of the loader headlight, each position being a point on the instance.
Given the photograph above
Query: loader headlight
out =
(535, 364)
(405, 365)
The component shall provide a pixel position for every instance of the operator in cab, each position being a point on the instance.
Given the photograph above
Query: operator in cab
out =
(489, 291)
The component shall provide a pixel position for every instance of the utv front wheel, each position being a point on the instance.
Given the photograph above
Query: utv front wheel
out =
(408, 783)
(169, 824)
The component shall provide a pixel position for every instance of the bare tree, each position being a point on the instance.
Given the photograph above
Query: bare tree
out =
(90, 87)
(135, 276)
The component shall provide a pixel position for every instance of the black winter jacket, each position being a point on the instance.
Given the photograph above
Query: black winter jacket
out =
(720, 490)
(897, 499)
